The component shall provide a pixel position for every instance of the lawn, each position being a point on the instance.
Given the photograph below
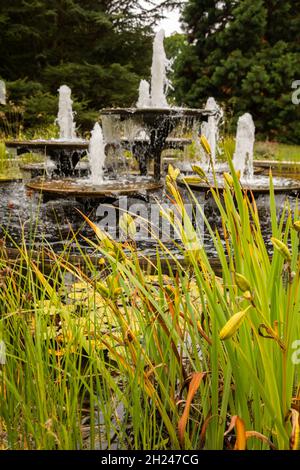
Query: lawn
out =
(277, 151)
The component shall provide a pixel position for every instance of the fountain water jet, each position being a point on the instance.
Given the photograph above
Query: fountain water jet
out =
(211, 128)
(159, 80)
(65, 117)
(97, 155)
(2, 92)
(144, 95)
(244, 149)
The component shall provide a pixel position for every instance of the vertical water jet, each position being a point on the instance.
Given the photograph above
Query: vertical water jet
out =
(97, 155)
(244, 147)
(159, 80)
(65, 117)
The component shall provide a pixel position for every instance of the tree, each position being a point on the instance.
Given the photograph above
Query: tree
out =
(244, 53)
(100, 48)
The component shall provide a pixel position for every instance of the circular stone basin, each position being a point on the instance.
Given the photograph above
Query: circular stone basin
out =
(259, 186)
(172, 112)
(33, 166)
(76, 144)
(88, 190)
(283, 165)
(43, 166)
(10, 179)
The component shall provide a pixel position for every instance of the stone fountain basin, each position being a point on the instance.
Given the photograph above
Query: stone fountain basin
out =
(281, 185)
(65, 188)
(173, 112)
(43, 144)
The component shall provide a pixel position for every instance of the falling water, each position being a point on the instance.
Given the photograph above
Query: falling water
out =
(97, 155)
(244, 148)
(65, 116)
(211, 128)
(160, 66)
(144, 95)
(2, 92)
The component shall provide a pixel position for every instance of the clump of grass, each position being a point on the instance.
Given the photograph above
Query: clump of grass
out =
(9, 169)
(3, 155)
(46, 132)
(92, 349)
(11, 121)
(28, 158)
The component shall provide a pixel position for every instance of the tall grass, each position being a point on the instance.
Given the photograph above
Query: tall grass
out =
(3, 156)
(107, 356)
(11, 121)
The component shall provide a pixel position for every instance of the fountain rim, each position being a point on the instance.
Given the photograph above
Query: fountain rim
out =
(68, 188)
(172, 112)
(202, 186)
(80, 145)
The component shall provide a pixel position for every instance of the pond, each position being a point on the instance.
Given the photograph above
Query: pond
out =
(50, 220)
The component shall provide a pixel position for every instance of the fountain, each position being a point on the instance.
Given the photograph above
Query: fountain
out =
(65, 117)
(157, 120)
(243, 163)
(244, 149)
(210, 129)
(144, 95)
(64, 152)
(144, 130)
(2, 92)
(97, 155)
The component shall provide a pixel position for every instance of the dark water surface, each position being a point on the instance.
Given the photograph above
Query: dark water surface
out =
(26, 215)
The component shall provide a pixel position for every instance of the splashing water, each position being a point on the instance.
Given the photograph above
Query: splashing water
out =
(244, 147)
(65, 117)
(2, 92)
(211, 128)
(160, 66)
(97, 155)
(144, 95)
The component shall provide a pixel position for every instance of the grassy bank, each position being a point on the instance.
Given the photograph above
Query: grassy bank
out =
(277, 151)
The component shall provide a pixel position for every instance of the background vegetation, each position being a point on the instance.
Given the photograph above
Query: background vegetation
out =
(246, 54)
(99, 48)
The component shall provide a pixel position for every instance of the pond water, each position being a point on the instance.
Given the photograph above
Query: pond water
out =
(25, 214)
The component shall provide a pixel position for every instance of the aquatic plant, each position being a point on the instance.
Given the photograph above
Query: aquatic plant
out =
(129, 355)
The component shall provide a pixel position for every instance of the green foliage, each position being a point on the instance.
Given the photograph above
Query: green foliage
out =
(100, 49)
(246, 54)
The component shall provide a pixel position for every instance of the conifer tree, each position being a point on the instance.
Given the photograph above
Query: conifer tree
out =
(100, 48)
(246, 54)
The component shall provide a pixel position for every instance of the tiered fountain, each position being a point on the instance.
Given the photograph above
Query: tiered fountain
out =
(65, 152)
(2, 92)
(144, 130)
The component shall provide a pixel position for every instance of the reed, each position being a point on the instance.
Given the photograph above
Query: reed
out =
(109, 356)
